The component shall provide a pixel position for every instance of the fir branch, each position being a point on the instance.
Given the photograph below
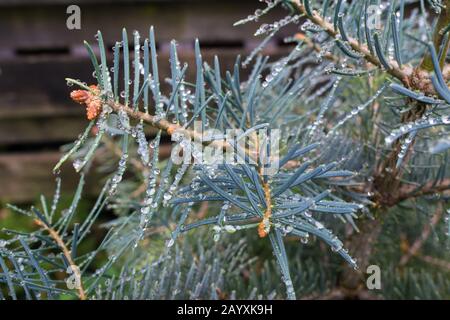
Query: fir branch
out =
(409, 191)
(67, 254)
(156, 122)
(264, 225)
(393, 70)
(316, 47)
(414, 249)
(295, 201)
(439, 40)
(112, 147)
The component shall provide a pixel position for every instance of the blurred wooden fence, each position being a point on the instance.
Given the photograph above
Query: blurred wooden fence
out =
(37, 52)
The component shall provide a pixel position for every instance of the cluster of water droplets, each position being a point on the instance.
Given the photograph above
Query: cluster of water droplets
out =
(357, 110)
(320, 230)
(274, 72)
(176, 181)
(137, 42)
(416, 125)
(338, 247)
(117, 178)
(309, 26)
(266, 28)
(149, 203)
(218, 230)
(404, 147)
(106, 84)
(447, 220)
(437, 5)
(102, 126)
(348, 71)
(124, 121)
(143, 146)
(185, 98)
(325, 49)
(56, 196)
(259, 12)
(3, 243)
(316, 94)
(324, 107)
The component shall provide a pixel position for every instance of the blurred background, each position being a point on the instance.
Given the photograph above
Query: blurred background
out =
(37, 51)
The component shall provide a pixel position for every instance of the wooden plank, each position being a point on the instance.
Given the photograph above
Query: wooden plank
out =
(45, 26)
(36, 126)
(29, 126)
(6, 3)
(29, 82)
(41, 110)
(24, 176)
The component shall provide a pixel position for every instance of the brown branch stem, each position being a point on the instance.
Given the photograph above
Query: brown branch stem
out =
(394, 70)
(265, 222)
(410, 191)
(417, 245)
(435, 262)
(66, 252)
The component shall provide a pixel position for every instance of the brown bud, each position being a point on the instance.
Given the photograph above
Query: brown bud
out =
(79, 96)
(90, 99)
(262, 229)
(93, 108)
